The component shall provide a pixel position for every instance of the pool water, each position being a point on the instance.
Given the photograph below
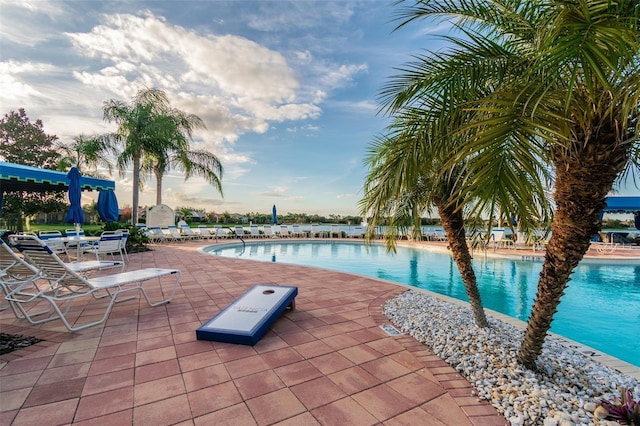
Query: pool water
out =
(600, 308)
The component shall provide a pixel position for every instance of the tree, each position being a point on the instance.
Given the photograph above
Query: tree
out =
(140, 128)
(558, 85)
(173, 151)
(87, 153)
(24, 142)
(406, 178)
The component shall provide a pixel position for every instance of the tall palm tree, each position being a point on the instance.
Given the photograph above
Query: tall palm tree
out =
(560, 86)
(140, 129)
(173, 151)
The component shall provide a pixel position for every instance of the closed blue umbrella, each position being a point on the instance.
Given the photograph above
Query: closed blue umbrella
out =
(108, 206)
(75, 214)
(274, 216)
(636, 220)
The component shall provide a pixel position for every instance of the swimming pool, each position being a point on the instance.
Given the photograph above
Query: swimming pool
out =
(600, 308)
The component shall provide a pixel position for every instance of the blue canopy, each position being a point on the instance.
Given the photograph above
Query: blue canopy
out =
(274, 215)
(16, 177)
(108, 206)
(622, 204)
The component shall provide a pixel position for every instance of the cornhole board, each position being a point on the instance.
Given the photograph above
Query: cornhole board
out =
(249, 317)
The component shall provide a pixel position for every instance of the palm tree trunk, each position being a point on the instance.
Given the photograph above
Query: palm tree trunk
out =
(136, 190)
(453, 224)
(159, 175)
(584, 176)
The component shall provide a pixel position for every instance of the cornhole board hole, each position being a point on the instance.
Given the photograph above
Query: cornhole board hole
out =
(249, 317)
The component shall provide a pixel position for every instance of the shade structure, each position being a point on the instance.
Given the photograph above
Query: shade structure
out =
(75, 213)
(636, 220)
(274, 215)
(108, 206)
(18, 177)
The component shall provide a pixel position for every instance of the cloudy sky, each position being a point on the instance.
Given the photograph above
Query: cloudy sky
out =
(288, 90)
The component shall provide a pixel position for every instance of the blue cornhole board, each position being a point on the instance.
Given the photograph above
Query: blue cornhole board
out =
(249, 317)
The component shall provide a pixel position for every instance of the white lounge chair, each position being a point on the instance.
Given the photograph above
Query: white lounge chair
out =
(188, 233)
(268, 231)
(357, 232)
(296, 231)
(255, 232)
(206, 233)
(66, 285)
(175, 233)
(55, 242)
(239, 231)
(335, 230)
(156, 235)
(316, 232)
(284, 231)
(108, 244)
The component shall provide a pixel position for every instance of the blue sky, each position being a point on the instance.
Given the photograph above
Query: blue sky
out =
(287, 89)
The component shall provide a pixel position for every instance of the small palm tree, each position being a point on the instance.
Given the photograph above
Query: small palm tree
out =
(401, 185)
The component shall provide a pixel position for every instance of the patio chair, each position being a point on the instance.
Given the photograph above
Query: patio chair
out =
(124, 236)
(221, 232)
(239, 231)
(188, 233)
(14, 272)
(66, 285)
(268, 231)
(317, 232)
(357, 232)
(297, 232)
(206, 233)
(335, 230)
(156, 235)
(284, 231)
(255, 232)
(108, 244)
(55, 242)
(175, 233)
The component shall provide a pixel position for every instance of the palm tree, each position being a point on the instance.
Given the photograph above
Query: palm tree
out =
(555, 83)
(173, 150)
(404, 180)
(88, 151)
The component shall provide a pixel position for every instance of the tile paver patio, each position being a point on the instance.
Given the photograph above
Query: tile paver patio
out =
(327, 362)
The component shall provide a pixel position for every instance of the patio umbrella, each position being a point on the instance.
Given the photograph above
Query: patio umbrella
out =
(274, 216)
(108, 206)
(636, 220)
(75, 214)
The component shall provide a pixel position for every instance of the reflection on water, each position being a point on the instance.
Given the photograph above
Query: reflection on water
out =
(600, 308)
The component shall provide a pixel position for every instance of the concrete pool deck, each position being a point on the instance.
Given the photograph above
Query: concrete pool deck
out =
(328, 362)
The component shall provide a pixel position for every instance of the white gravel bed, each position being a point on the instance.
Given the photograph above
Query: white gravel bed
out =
(565, 390)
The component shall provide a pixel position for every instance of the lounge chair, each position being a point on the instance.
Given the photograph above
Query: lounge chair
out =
(284, 231)
(268, 231)
(188, 233)
(65, 285)
(108, 244)
(498, 240)
(239, 231)
(335, 230)
(357, 232)
(255, 232)
(16, 272)
(316, 232)
(124, 235)
(156, 235)
(206, 233)
(175, 233)
(55, 242)
(297, 232)
(221, 232)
